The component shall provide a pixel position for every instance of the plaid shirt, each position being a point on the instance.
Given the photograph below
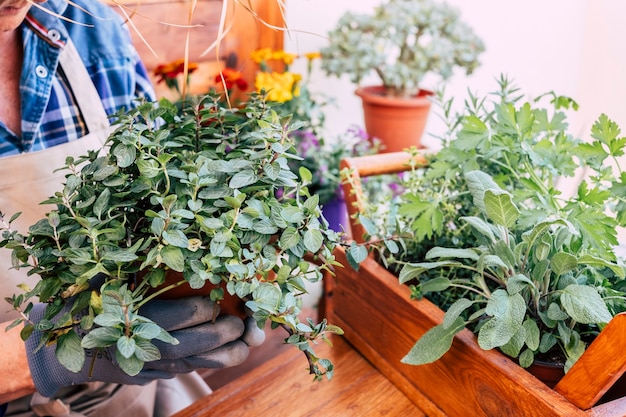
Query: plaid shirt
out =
(50, 115)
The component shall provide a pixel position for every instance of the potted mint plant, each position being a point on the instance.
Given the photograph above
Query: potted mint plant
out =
(193, 188)
(401, 42)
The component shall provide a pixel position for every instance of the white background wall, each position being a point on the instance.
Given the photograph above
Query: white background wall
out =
(574, 47)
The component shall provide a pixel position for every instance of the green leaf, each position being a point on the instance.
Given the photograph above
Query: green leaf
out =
(413, 270)
(507, 313)
(102, 203)
(125, 154)
(69, 351)
(147, 330)
(481, 226)
(146, 351)
(358, 252)
(478, 182)
(584, 304)
(126, 346)
(289, 238)
(435, 285)
(101, 337)
(293, 214)
(532, 334)
(555, 313)
(454, 312)
(243, 178)
(596, 262)
(132, 366)
(173, 257)
(517, 283)
(500, 209)
(268, 297)
(562, 263)
(433, 344)
(439, 252)
(313, 240)
(474, 132)
(526, 358)
(175, 238)
(108, 320)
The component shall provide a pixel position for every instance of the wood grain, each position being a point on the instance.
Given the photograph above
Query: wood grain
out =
(465, 381)
(282, 388)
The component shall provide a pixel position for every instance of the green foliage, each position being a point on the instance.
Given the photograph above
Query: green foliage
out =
(488, 215)
(196, 188)
(531, 284)
(401, 42)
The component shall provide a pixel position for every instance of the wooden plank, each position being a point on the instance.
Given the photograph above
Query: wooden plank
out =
(370, 165)
(282, 387)
(592, 375)
(466, 381)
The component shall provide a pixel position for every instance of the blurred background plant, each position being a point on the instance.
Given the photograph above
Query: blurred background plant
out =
(172, 74)
(289, 94)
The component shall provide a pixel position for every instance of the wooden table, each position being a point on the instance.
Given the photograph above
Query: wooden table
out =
(282, 387)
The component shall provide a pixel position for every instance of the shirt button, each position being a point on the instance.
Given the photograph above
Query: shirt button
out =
(41, 71)
(54, 35)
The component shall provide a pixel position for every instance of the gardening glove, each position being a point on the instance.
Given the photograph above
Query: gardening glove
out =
(202, 344)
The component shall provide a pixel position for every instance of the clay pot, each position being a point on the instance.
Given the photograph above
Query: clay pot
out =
(548, 373)
(230, 305)
(398, 122)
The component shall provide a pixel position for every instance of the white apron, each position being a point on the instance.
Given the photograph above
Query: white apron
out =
(25, 181)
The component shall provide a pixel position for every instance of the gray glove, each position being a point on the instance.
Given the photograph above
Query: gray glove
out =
(202, 345)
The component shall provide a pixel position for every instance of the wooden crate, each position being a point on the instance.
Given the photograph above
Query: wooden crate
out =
(383, 323)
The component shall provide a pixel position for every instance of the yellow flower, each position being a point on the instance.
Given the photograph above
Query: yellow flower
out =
(286, 57)
(279, 87)
(261, 55)
(313, 55)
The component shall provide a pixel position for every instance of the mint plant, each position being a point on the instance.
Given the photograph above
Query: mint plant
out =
(195, 188)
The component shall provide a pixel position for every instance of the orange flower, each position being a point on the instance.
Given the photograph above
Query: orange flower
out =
(232, 78)
(169, 71)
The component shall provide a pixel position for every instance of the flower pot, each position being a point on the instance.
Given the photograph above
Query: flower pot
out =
(548, 373)
(336, 213)
(398, 122)
(230, 305)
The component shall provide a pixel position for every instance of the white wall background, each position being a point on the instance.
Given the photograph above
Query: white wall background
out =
(573, 47)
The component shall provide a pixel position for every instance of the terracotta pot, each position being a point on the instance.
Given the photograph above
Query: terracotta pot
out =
(230, 305)
(336, 213)
(548, 373)
(398, 122)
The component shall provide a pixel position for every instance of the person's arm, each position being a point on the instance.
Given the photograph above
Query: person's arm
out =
(16, 379)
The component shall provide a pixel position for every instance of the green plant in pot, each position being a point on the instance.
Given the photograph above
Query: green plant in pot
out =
(401, 42)
(488, 216)
(197, 189)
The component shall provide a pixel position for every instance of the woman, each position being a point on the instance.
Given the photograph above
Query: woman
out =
(63, 70)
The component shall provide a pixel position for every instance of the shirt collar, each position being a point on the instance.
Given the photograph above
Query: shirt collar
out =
(42, 20)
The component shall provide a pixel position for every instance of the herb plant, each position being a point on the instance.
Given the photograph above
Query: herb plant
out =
(401, 42)
(515, 233)
(194, 188)
(534, 288)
